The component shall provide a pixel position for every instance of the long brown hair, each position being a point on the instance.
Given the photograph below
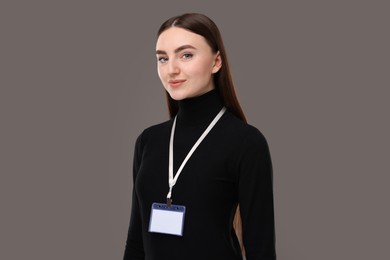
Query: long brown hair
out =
(204, 26)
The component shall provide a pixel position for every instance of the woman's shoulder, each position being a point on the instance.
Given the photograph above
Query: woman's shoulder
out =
(155, 131)
(158, 128)
(244, 130)
(248, 141)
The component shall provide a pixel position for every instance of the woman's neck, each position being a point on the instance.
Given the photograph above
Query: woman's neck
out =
(199, 110)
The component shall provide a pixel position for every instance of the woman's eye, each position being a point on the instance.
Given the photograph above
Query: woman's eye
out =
(187, 55)
(162, 59)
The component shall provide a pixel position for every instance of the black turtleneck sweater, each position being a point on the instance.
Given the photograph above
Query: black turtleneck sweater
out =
(231, 166)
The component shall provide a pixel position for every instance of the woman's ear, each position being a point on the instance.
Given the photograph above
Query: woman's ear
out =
(217, 63)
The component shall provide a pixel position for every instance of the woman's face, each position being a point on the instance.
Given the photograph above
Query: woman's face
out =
(185, 63)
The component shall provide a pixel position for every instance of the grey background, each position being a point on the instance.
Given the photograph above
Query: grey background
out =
(79, 83)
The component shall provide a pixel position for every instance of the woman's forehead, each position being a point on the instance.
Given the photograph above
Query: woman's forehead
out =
(174, 37)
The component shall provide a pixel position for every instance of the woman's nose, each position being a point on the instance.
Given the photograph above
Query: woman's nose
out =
(173, 68)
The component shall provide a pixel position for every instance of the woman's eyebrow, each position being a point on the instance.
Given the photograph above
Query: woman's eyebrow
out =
(179, 49)
(184, 47)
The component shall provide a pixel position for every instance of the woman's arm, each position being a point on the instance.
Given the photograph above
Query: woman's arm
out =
(256, 198)
(134, 249)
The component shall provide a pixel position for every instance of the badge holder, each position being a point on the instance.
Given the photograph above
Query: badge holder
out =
(167, 220)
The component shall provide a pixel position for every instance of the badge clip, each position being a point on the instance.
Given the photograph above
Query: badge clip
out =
(169, 202)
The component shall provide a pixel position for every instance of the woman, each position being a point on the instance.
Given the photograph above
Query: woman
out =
(185, 196)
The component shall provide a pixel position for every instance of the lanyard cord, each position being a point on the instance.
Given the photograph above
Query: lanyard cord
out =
(172, 180)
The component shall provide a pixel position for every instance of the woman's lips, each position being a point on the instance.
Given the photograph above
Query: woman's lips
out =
(176, 83)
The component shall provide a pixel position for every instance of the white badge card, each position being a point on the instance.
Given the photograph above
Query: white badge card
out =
(167, 220)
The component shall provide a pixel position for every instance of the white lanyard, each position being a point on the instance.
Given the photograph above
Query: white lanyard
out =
(172, 180)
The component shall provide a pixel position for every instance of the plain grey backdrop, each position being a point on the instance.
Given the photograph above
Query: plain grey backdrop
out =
(79, 83)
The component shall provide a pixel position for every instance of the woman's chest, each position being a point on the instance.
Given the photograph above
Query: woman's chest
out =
(207, 174)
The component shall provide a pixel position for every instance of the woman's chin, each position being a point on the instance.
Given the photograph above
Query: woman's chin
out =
(175, 95)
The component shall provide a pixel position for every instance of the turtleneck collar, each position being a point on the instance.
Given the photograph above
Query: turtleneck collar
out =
(199, 110)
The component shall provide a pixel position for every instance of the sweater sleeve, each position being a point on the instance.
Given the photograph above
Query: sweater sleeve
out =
(256, 198)
(134, 249)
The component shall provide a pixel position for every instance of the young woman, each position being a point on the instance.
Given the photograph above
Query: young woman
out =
(193, 171)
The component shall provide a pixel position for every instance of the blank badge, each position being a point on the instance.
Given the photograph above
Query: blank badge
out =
(167, 220)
